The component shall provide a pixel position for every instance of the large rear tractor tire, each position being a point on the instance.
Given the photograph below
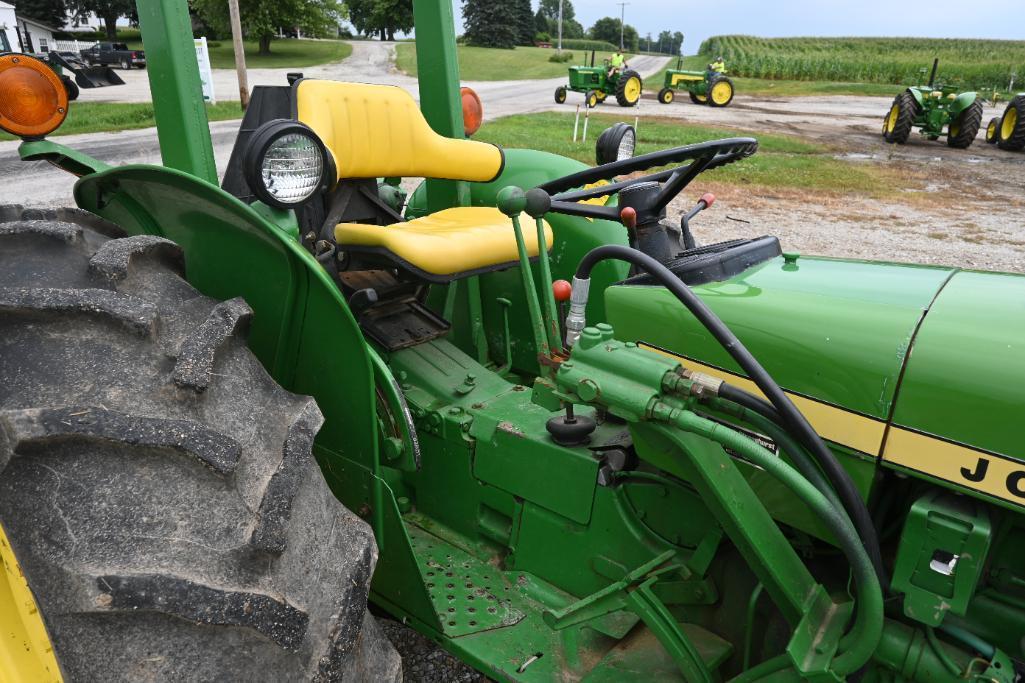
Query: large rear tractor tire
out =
(628, 88)
(898, 121)
(962, 131)
(1011, 135)
(720, 91)
(158, 488)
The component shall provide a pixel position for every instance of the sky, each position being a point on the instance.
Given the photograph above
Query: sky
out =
(777, 18)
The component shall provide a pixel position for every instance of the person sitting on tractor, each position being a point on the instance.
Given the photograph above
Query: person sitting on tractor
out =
(616, 64)
(717, 67)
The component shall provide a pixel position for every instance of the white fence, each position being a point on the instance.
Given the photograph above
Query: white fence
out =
(75, 46)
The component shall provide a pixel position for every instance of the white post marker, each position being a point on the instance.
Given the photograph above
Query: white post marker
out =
(637, 120)
(576, 122)
(587, 116)
(206, 74)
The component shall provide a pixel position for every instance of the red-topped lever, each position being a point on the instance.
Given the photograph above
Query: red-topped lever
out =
(562, 290)
(708, 198)
(629, 217)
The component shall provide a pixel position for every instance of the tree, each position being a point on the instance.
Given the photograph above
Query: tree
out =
(608, 29)
(489, 23)
(50, 12)
(541, 22)
(107, 10)
(261, 19)
(524, 22)
(677, 43)
(550, 10)
(381, 17)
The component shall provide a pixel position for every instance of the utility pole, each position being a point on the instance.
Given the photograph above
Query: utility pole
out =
(622, 14)
(240, 53)
(560, 27)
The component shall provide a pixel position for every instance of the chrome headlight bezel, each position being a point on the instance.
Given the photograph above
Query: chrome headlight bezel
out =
(263, 140)
(610, 144)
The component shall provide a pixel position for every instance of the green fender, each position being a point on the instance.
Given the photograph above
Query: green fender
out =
(961, 102)
(302, 330)
(917, 94)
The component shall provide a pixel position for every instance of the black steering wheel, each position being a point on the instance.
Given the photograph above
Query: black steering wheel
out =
(703, 156)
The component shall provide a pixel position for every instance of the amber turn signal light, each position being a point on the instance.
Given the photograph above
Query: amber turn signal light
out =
(33, 101)
(473, 111)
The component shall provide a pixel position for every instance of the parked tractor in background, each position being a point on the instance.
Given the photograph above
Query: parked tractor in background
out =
(711, 86)
(1008, 131)
(219, 401)
(936, 110)
(598, 82)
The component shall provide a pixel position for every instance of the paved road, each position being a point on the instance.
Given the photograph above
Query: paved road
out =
(39, 184)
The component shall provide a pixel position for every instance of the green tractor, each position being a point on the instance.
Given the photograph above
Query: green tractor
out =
(711, 87)
(598, 82)
(1008, 131)
(936, 110)
(575, 444)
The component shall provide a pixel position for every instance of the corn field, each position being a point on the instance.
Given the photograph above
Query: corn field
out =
(972, 64)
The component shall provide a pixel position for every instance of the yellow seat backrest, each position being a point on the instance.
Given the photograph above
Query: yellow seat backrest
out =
(375, 131)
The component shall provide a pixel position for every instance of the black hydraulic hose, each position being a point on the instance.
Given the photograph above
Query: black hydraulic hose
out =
(791, 417)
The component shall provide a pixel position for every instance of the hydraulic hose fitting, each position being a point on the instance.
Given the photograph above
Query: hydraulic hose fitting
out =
(703, 384)
(576, 319)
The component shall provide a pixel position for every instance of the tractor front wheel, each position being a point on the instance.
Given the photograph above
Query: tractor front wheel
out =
(1012, 126)
(560, 94)
(963, 129)
(591, 99)
(628, 88)
(697, 99)
(156, 485)
(665, 95)
(601, 96)
(993, 130)
(720, 91)
(898, 121)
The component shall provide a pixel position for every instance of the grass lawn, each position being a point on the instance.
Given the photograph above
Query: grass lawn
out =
(490, 64)
(781, 161)
(94, 117)
(284, 53)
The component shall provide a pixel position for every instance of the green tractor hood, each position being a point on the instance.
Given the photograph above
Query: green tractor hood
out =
(874, 354)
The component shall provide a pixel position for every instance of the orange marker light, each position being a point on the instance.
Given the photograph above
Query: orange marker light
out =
(33, 101)
(473, 111)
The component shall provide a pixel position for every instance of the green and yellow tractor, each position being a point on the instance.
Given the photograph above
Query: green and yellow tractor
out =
(936, 110)
(598, 82)
(711, 87)
(1008, 130)
(520, 411)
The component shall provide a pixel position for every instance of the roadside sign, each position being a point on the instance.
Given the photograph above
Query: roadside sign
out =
(206, 74)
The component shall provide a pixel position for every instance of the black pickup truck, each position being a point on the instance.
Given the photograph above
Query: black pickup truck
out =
(114, 53)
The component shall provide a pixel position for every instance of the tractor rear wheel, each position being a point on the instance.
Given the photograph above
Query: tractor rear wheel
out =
(963, 129)
(1012, 126)
(665, 95)
(628, 88)
(70, 87)
(993, 130)
(898, 121)
(697, 99)
(157, 486)
(560, 94)
(720, 91)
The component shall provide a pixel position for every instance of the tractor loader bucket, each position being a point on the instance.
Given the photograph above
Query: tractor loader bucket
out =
(97, 77)
(87, 76)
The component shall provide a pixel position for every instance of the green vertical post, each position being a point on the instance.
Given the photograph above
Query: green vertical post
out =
(182, 126)
(440, 101)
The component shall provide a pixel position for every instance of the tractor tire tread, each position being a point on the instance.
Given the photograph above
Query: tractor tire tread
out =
(624, 78)
(1016, 142)
(969, 122)
(907, 108)
(166, 533)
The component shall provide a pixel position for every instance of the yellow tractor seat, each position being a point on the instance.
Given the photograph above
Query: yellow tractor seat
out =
(446, 245)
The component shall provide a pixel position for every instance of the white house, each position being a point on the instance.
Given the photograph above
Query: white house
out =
(8, 28)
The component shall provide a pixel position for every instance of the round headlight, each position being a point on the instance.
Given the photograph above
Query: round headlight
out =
(286, 164)
(616, 143)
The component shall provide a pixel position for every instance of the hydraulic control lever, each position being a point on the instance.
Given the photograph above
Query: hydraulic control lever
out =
(686, 237)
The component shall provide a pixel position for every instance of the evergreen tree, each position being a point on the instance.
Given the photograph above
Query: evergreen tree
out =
(489, 23)
(541, 22)
(524, 19)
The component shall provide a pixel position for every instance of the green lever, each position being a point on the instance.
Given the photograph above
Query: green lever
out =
(512, 201)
